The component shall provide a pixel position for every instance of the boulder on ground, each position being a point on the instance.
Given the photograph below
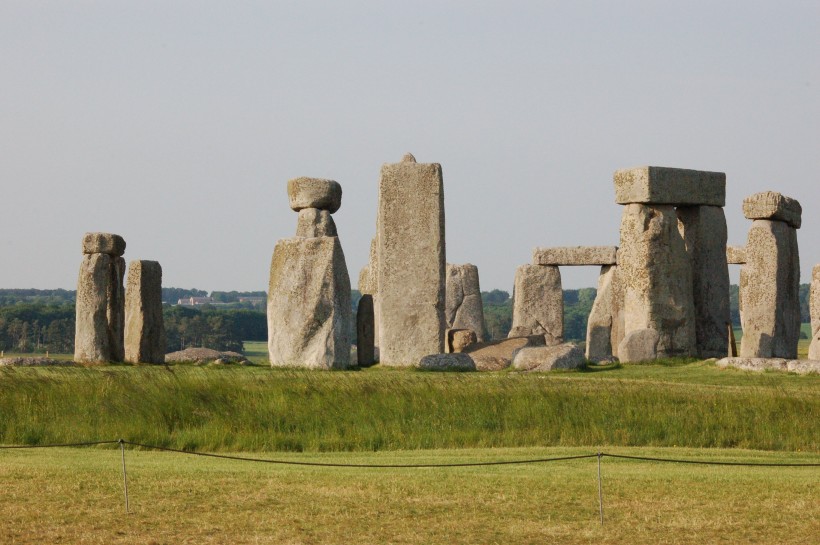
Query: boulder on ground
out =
(103, 243)
(205, 355)
(639, 345)
(548, 358)
(447, 362)
(314, 193)
(498, 355)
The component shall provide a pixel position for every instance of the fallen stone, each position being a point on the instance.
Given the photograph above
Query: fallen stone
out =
(314, 222)
(736, 255)
(639, 345)
(447, 362)
(803, 367)
(459, 339)
(548, 358)
(103, 243)
(771, 205)
(205, 355)
(34, 361)
(314, 193)
(754, 364)
(144, 327)
(599, 323)
(498, 355)
(674, 186)
(538, 303)
(464, 308)
(365, 342)
(576, 255)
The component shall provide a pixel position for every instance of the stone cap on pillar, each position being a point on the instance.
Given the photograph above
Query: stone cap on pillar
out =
(771, 205)
(314, 193)
(103, 243)
(576, 255)
(676, 186)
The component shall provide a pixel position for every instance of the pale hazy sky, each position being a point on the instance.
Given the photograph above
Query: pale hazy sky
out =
(177, 124)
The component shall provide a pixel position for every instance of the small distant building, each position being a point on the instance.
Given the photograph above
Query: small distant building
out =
(195, 301)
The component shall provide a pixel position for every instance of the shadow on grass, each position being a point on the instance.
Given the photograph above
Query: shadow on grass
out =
(590, 367)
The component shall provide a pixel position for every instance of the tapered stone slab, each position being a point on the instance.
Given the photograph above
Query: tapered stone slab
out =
(365, 347)
(677, 186)
(309, 314)
(99, 309)
(314, 193)
(771, 205)
(103, 243)
(538, 303)
(411, 257)
(314, 222)
(464, 308)
(814, 309)
(735, 255)
(769, 292)
(599, 324)
(575, 255)
(704, 234)
(144, 327)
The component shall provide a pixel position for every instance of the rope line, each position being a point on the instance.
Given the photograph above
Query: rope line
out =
(85, 444)
(710, 462)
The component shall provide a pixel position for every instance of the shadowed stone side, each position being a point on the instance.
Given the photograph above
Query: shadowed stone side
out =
(464, 308)
(599, 324)
(814, 308)
(309, 315)
(704, 234)
(676, 186)
(411, 262)
(538, 303)
(657, 278)
(769, 292)
(575, 255)
(99, 309)
(144, 328)
(365, 348)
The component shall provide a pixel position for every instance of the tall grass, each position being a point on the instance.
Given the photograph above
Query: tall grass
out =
(259, 409)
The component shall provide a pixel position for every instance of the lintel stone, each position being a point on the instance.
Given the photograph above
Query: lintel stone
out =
(103, 243)
(771, 205)
(662, 185)
(575, 255)
(735, 255)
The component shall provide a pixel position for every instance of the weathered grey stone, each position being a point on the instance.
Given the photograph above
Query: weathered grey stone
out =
(314, 222)
(144, 328)
(103, 243)
(803, 367)
(678, 186)
(365, 347)
(599, 324)
(639, 345)
(548, 358)
(657, 278)
(704, 234)
(309, 316)
(498, 355)
(314, 193)
(99, 309)
(447, 362)
(411, 259)
(735, 255)
(205, 355)
(464, 308)
(575, 255)
(538, 303)
(459, 339)
(769, 292)
(618, 310)
(814, 309)
(771, 205)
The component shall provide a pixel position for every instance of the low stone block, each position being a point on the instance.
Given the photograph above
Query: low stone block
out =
(754, 364)
(498, 355)
(447, 362)
(103, 243)
(548, 358)
(677, 186)
(575, 255)
(314, 193)
(314, 222)
(144, 327)
(639, 345)
(736, 255)
(771, 205)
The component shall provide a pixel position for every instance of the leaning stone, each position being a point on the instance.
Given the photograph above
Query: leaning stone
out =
(771, 205)
(365, 347)
(459, 339)
(314, 222)
(599, 323)
(99, 309)
(575, 255)
(447, 362)
(464, 308)
(144, 328)
(769, 292)
(675, 186)
(548, 358)
(704, 234)
(639, 345)
(103, 243)
(411, 264)
(814, 309)
(314, 193)
(656, 273)
(538, 303)
(736, 255)
(309, 315)
(754, 364)
(498, 355)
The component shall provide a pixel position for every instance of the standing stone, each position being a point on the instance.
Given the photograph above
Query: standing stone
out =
(657, 278)
(144, 328)
(814, 308)
(464, 309)
(704, 234)
(116, 310)
(538, 303)
(365, 348)
(618, 312)
(411, 257)
(599, 324)
(769, 292)
(309, 316)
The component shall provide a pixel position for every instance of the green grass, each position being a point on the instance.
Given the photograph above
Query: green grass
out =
(255, 408)
(76, 496)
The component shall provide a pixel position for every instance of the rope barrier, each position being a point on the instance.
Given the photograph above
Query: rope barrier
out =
(84, 444)
(710, 462)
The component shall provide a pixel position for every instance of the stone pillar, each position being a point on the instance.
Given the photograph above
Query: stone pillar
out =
(599, 324)
(309, 314)
(144, 328)
(704, 234)
(369, 284)
(365, 348)
(770, 279)
(100, 306)
(814, 306)
(411, 257)
(538, 303)
(464, 309)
